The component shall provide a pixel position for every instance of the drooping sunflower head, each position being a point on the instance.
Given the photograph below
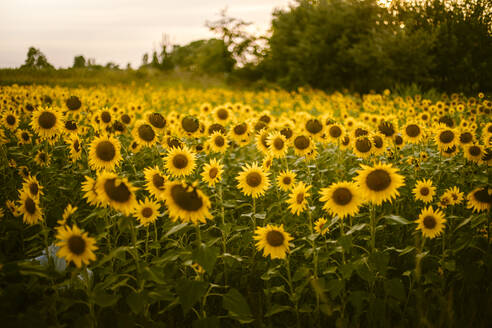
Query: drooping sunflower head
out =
(387, 128)
(47, 122)
(186, 202)
(90, 192)
(253, 180)
(424, 190)
(104, 153)
(180, 162)
(314, 127)
(212, 172)
(342, 199)
(147, 211)
(286, 180)
(116, 192)
(273, 240)
(379, 183)
(431, 222)
(190, 125)
(480, 199)
(157, 120)
(75, 245)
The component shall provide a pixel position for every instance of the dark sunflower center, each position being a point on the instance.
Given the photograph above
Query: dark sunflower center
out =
(275, 238)
(33, 189)
(125, 118)
(76, 146)
(223, 114)
(213, 172)
(174, 143)
(287, 180)
(378, 141)
(430, 222)
(359, 132)
(378, 180)
(474, 150)
(186, 199)
(30, 107)
(483, 196)
(71, 125)
(105, 151)
(314, 126)
(219, 141)
(147, 212)
(424, 191)
(47, 120)
(120, 193)
(363, 145)
(10, 120)
(466, 137)
(106, 117)
(42, 157)
(278, 144)
(73, 103)
(386, 128)
(342, 196)
(287, 133)
(180, 161)
(157, 120)
(301, 142)
(450, 150)
(446, 136)
(25, 136)
(76, 244)
(240, 129)
(447, 120)
(398, 140)
(253, 179)
(216, 127)
(345, 140)
(157, 181)
(190, 124)
(30, 205)
(300, 198)
(145, 132)
(412, 130)
(335, 131)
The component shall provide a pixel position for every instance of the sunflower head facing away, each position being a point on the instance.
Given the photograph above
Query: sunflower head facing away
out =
(76, 246)
(273, 240)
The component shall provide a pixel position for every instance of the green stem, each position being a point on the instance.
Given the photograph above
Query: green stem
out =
(292, 291)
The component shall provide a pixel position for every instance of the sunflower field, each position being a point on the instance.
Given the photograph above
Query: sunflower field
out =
(167, 207)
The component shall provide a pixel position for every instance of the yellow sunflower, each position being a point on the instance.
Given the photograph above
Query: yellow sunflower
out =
(75, 246)
(155, 182)
(147, 211)
(212, 172)
(273, 240)
(379, 183)
(455, 194)
(430, 222)
(29, 208)
(42, 158)
(144, 133)
(104, 153)
(23, 137)
(298, 198)
(302, 144)
(218, 142)
(240, 133)
(474, 153)
(116, 192)
(480, 199)
(320, 226)
(46, 122)
(341, 198)
(10, 120)
(424, 190)
(32, 187)
(277, 145)
(90, 192)
(362, 147)
(186, 202)
(413, 132)
(262, 141)
(75, 148)
(335, 132)
(253, 181)
(286, 180)
(180, 162)
(446, 138)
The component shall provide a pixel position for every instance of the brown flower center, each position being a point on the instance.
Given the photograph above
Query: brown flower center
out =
(424, 191)
(278, 143)
(146, 133)
(335, 131)
(474, 151)
(213, 172)
(287, 180)
(287, 133)
(378, 141)
(430, 222)
(240, 129)
(106, 117)
(73, 103)
(413, 130)
(180, 161)
(158, 181)
(342, 196)
(119, 194)
(105, 151)
(125, 118)
(76, 146)
(300, 198)
(275, 238)
(446, 136)
(76, 244)
(314, 126)
(378, 180)
(466, 137)
(301, 142)
(47, 120)
(386, 128)
(223, 114)
(33, 188)
(190, 124)
(157, 120)
(11, 120)
(219, 141)
(147, 212)
(216, 127)
(363, 145)
(359, 132)
(30, 205)
(185, 198)
(482, 196)
(253, 179)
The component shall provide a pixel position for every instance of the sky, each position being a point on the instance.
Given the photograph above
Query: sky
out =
(120, 31)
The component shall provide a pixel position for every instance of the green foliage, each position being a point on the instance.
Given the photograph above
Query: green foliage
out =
(36, 60)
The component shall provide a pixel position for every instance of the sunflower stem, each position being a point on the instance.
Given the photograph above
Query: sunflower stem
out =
(198, 235)
(292, 291)
(373, 227)
(156, 238)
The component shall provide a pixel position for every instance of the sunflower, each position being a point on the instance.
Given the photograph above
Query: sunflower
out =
(147, 211)
(212, 172)
(240, 133)
(42, 158)
(273, 240)
(446, 138)
(480, 199)
(335, 132)
(320, 226)
(32, 187)
(424, 190)
(253, 181)
(218, 142)
(73, 104)
(286, 180)
(186, 202)
(466, 137)
(75, 148)
(398, 141)
(70, 126)
(314, 127)
(444, 201)
(47, 122)
(116, 192)
(449, 152)
(262, 141)
(157, 120)
(267, 163)
(455, 195)
(412, 132)
(303, 144)
(277, 145)
(75, 246)
(341, 198)
(105, 117)
(379, 183)
(10, 120)
(29, 207)
(180, 162)
(144, 133)
(171, 142)
(430, 222)
(23, 137)
(298, 198)
(474, 153)
(90, 192)
(362, 147)
(155, 182)
(104, 153)
(379, 143)
(190, 125)
(222, 114)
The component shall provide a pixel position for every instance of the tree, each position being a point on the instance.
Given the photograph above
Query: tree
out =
(36, 60)
(145, 59)
(79, 62)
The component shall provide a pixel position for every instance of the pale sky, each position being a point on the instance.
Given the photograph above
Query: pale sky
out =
(113, 30)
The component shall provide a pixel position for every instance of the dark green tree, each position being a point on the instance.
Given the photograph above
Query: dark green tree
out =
(36, 60)
(79, 62)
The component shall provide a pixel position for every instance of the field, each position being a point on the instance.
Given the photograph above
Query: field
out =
(163, 206)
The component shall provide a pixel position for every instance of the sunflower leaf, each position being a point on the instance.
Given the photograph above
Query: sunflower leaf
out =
(237, 306)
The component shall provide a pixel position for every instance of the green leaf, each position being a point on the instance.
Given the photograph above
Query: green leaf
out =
(237, 306)
(396, 219)
(136, 302)
(334, 287)
(103, 299)
(276, 308)
(462, 224)
(189, 292)
(206, 257)
(176, 228)
(356, 227)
